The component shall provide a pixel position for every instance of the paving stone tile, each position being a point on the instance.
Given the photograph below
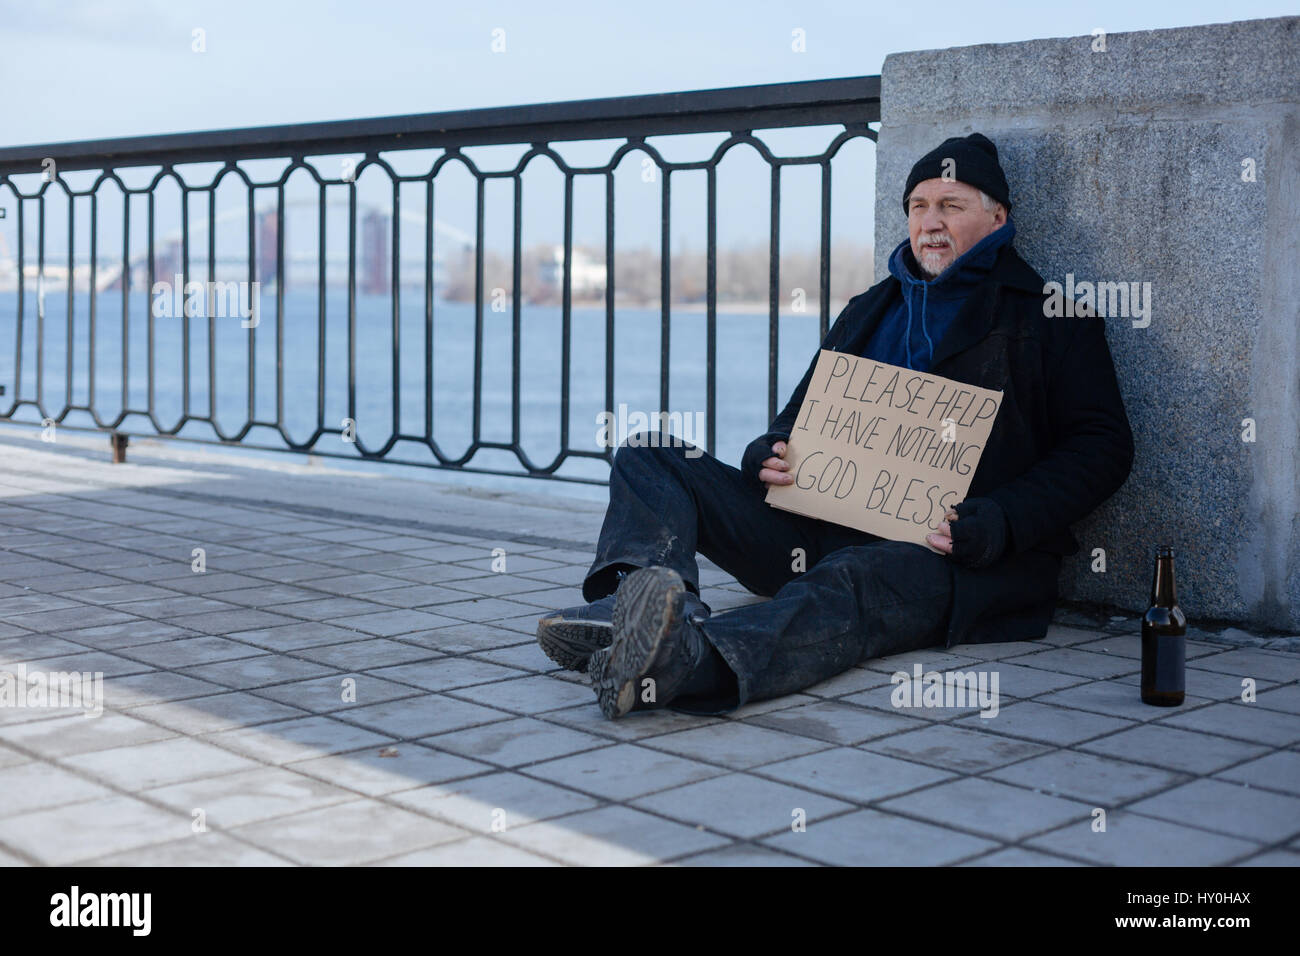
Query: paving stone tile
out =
(416, 595)
(637, 725)
(485, 609)
(738, 746)
(1019, 856)
(1261, 665)
(527, 656)
(1273, 858)
(476, 851)
(1242, 721)
(855, 775)
(338, 694)
(874, 838)
(228, 622)
(288, 740)
(217, 712)
(173, 607)
(1082, 663)
(294, 637)
(1131, 839)
(447, 673)
(1232, 808)
(494, 803)
(1114, 698)
(434, 573)
(117, 593)
(11, 758)
(199, 849)
(422, 716)
(64, 835)
(196, 650)
(741, 805)
(1045, 723)
(71, 735)
(988, 807)
(153, 687)
(389, 769)
(527, 695)
(611, 836)
(881, 699)
(88, 662)
(930, 659)
(1279, 770)
(366, 654)
(29, 647)
(263, 595)
(1286, 699)
(1102, 782)
(517, 588)
(833, 722)
(514, 743)
(622, 772)
(37, 786)
(142, 766)
(261, 671)
(1176, 749)
(955, 748)
(116, 636)
(849, 682)
(390, 623)
(348, 833)
(213, 582)
(14, 608)
(327, 609)
(247, 796)
(742, 854)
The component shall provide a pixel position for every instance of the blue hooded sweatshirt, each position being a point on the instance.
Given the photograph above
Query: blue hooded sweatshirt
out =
(914, 324)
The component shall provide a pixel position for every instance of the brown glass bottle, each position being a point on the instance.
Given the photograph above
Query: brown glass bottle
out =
(1164, 630)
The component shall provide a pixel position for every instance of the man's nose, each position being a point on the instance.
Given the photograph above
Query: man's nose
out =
(931, 221)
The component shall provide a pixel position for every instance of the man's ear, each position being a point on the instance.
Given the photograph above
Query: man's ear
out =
(1000, 216)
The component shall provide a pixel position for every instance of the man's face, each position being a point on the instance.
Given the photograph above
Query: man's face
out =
(944, 219)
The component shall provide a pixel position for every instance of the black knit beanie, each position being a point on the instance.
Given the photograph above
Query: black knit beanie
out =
(974, 162)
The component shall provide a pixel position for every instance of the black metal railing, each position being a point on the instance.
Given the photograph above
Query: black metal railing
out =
(98, 393)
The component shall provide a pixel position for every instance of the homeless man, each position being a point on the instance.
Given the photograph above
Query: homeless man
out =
(959, 302)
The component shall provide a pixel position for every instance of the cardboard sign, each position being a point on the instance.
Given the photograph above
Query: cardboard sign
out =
(884, 449)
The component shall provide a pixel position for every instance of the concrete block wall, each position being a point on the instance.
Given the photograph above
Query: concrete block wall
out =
(1125, 159)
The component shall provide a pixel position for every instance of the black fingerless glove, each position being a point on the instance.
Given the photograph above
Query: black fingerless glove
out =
(757, 452)
(980, 533)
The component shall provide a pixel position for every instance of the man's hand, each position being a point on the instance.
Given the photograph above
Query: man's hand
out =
(976, 541)
(941, 538)
(776, 470)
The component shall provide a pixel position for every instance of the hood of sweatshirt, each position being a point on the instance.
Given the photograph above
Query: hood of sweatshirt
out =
(945, 292)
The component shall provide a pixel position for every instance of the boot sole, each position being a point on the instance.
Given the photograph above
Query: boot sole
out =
(648, 606)
(571, 643)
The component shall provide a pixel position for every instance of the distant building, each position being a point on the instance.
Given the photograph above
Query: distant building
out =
(587, 279)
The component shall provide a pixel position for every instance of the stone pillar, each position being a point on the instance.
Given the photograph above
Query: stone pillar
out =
(1169, 157)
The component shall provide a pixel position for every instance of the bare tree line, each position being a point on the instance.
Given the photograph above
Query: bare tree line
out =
(742, 275)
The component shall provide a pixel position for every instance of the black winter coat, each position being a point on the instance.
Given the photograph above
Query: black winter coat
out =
(1059, 447)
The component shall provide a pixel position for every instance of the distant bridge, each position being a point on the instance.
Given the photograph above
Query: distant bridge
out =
(373, 257)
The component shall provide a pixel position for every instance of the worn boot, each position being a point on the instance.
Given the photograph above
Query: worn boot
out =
(570, 636)
(656, 646)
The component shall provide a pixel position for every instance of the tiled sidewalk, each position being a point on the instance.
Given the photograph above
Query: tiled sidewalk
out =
(351, 681)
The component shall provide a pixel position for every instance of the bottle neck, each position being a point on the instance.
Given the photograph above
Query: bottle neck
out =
(1162, 587)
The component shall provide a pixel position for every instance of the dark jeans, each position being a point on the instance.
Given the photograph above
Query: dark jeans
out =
(860, 597)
